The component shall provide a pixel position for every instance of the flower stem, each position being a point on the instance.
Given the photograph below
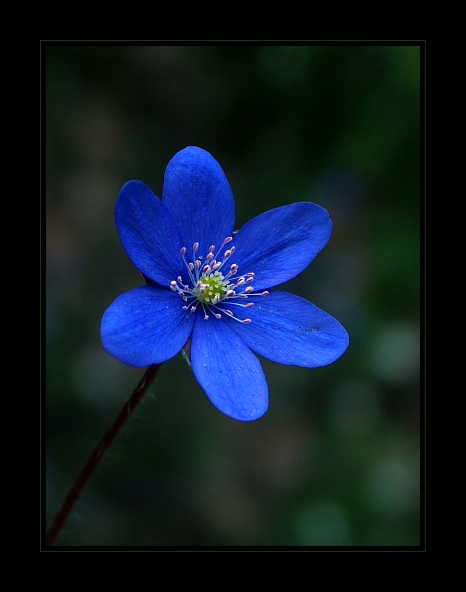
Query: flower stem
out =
(99, 451)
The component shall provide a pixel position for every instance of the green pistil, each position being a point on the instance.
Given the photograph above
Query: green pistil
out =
(214, 288)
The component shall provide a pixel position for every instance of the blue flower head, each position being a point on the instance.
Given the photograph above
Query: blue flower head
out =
(208, 287)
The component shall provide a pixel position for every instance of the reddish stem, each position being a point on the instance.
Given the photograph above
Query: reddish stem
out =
(99, 451)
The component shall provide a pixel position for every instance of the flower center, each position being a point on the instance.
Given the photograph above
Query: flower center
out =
(211, 288)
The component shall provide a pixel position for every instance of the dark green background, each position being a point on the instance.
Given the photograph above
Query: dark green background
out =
(336, 459)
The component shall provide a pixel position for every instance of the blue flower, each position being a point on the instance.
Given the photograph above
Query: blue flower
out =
(208, 287)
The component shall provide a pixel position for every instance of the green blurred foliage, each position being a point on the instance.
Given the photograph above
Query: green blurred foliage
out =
(336, 459)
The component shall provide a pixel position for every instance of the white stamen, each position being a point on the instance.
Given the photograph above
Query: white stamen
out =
(209, 287)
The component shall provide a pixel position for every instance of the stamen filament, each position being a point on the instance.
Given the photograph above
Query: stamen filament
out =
(208, 286)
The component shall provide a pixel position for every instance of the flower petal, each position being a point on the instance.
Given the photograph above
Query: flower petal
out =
(289, 330)
(148, 233)
(145, 326)
(280, 243)
(197, 194)
(228, 371)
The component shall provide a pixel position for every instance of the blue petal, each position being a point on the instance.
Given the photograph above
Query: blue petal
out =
(145, 326)
(148, 233)
(290, 330)
(277, 245)
(197, 194)
(227, 370)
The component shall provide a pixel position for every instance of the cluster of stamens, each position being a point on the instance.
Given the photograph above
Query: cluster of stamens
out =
(210, 287)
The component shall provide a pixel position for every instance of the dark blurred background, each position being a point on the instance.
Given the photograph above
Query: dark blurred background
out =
(336, 459)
